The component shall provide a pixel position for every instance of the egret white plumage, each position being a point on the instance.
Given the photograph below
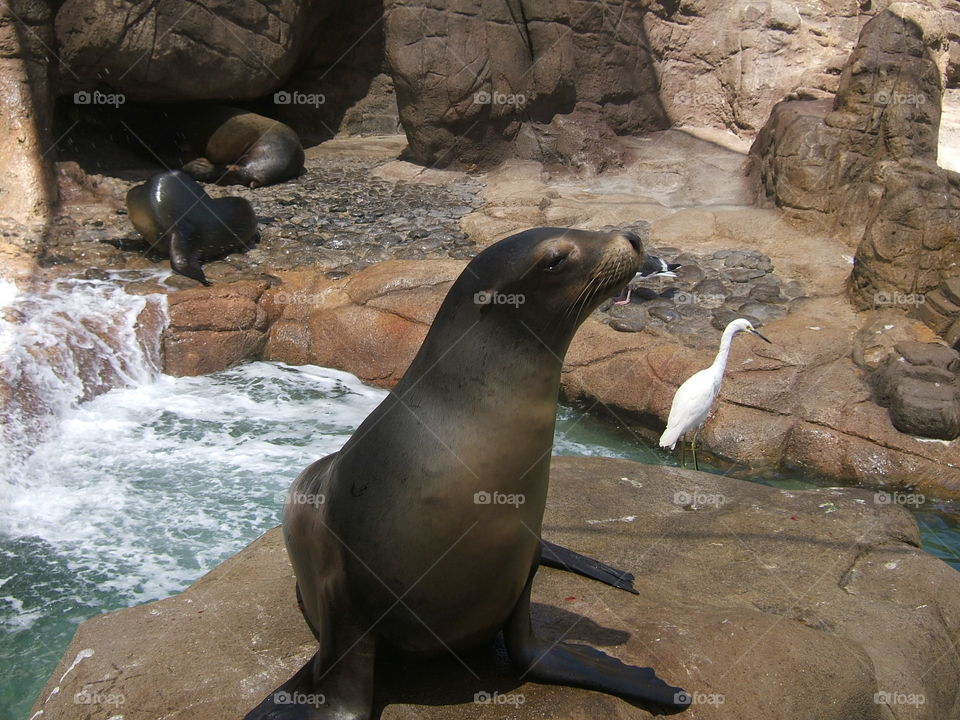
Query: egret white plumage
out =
(652, 267)
(694, 398)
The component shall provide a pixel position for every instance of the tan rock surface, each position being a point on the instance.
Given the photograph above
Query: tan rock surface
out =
(780, 604)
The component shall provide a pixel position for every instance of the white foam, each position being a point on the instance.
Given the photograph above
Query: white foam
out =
(148, 487)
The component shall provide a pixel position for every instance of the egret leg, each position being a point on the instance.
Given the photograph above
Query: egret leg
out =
(693, 449)
(682, 459)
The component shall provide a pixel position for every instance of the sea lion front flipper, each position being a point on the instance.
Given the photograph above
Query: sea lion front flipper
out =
(183, 257)
(561, 558)
(582, 665)
(340, 688)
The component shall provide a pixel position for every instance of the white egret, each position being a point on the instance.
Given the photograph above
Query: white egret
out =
(693, 400)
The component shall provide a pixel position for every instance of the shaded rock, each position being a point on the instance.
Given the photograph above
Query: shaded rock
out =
(477, 83)
(175, 50)
(28, 184)
(857, 562)
(917, 353)
(924, 408)
(919, 384)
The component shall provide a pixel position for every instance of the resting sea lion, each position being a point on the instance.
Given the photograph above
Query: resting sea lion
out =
(238, 147)
(179, 220)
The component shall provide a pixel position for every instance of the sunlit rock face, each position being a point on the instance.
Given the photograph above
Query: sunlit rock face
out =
(867, 165)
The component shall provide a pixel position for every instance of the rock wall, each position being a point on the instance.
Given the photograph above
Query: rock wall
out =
(27, 185)
(727, 64)
(865, 165)
(479, 82)
(761, 603)
(180, 50)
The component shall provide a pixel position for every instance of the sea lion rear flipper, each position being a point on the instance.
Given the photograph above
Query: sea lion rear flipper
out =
(561, 558)
(183, 257)
(581, 665)
(203, 169)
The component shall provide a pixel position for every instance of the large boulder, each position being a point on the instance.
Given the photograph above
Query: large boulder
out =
(918, 382)
(479, 82)
(180, 50)
(866, 166)
(761, 603)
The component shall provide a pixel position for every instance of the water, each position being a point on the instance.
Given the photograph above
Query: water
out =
(135, 493)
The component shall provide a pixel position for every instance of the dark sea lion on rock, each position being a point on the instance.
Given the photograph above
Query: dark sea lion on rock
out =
(179, 220)
(238, 147)
(422, 535)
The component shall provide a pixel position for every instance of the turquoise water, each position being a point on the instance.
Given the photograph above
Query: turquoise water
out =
(144, 489)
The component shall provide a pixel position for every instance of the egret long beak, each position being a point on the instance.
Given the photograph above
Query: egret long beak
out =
(759, 335)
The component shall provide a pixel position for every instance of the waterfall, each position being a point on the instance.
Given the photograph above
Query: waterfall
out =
(64, 345)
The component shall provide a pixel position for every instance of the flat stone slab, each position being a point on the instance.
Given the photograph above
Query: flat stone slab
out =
(762, 603)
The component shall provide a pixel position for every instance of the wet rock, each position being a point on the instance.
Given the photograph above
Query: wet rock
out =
(742, 275)
(625, 325)
(665, 314)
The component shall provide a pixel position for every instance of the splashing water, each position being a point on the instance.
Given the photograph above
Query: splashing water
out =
(75, 340)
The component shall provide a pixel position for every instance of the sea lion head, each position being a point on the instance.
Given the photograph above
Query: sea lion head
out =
(544, 282)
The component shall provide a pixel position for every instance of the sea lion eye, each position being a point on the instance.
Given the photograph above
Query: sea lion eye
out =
(555, 262)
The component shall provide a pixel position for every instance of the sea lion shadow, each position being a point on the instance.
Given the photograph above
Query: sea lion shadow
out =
(485, 675)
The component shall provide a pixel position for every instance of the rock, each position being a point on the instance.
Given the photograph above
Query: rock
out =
(624, 325)
(726, 65)
(174, 50)
(866, 165)
(712, 616)
(213, 328)
(927, 409)
(28, 187)
(917, 353)
(919, 384)
(478, 83)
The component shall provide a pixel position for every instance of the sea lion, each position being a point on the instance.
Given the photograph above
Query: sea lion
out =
(422, 534)
(179, 220)
(238, 147)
